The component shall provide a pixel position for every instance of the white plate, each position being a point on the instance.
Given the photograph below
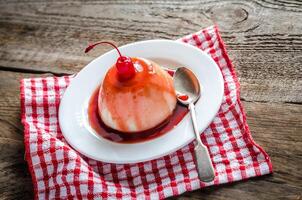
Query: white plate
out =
(73, 108)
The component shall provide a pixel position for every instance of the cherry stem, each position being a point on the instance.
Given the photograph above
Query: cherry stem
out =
(102, 42)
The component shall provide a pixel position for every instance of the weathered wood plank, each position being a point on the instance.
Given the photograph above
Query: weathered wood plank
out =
(275, 126)
(15, 181)
(263, 36)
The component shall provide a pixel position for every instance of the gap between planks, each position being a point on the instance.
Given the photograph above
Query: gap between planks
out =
(34, 71)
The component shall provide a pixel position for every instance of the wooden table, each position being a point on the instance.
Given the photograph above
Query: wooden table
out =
(264, 40)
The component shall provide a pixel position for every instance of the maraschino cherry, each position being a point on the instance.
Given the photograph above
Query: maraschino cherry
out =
(124, 65)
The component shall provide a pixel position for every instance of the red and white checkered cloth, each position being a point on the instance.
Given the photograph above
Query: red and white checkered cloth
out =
(60, 172)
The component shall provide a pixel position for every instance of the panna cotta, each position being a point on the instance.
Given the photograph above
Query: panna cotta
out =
(136, 94)
(140, 103)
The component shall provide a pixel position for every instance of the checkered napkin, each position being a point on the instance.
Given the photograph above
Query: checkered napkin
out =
(60, 172)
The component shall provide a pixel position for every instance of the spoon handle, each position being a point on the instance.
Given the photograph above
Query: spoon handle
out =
(205, 168)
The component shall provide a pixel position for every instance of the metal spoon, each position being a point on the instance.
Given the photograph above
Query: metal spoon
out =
(188, 92)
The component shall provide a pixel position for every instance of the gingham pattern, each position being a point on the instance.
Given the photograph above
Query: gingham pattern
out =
(58, 171)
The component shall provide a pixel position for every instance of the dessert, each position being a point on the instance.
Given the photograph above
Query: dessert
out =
(136, 95)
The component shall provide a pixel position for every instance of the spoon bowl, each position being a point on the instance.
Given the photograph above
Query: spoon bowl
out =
(186, 83)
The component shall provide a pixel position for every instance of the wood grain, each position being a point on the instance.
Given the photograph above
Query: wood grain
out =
(263, 38)
(280, 136)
